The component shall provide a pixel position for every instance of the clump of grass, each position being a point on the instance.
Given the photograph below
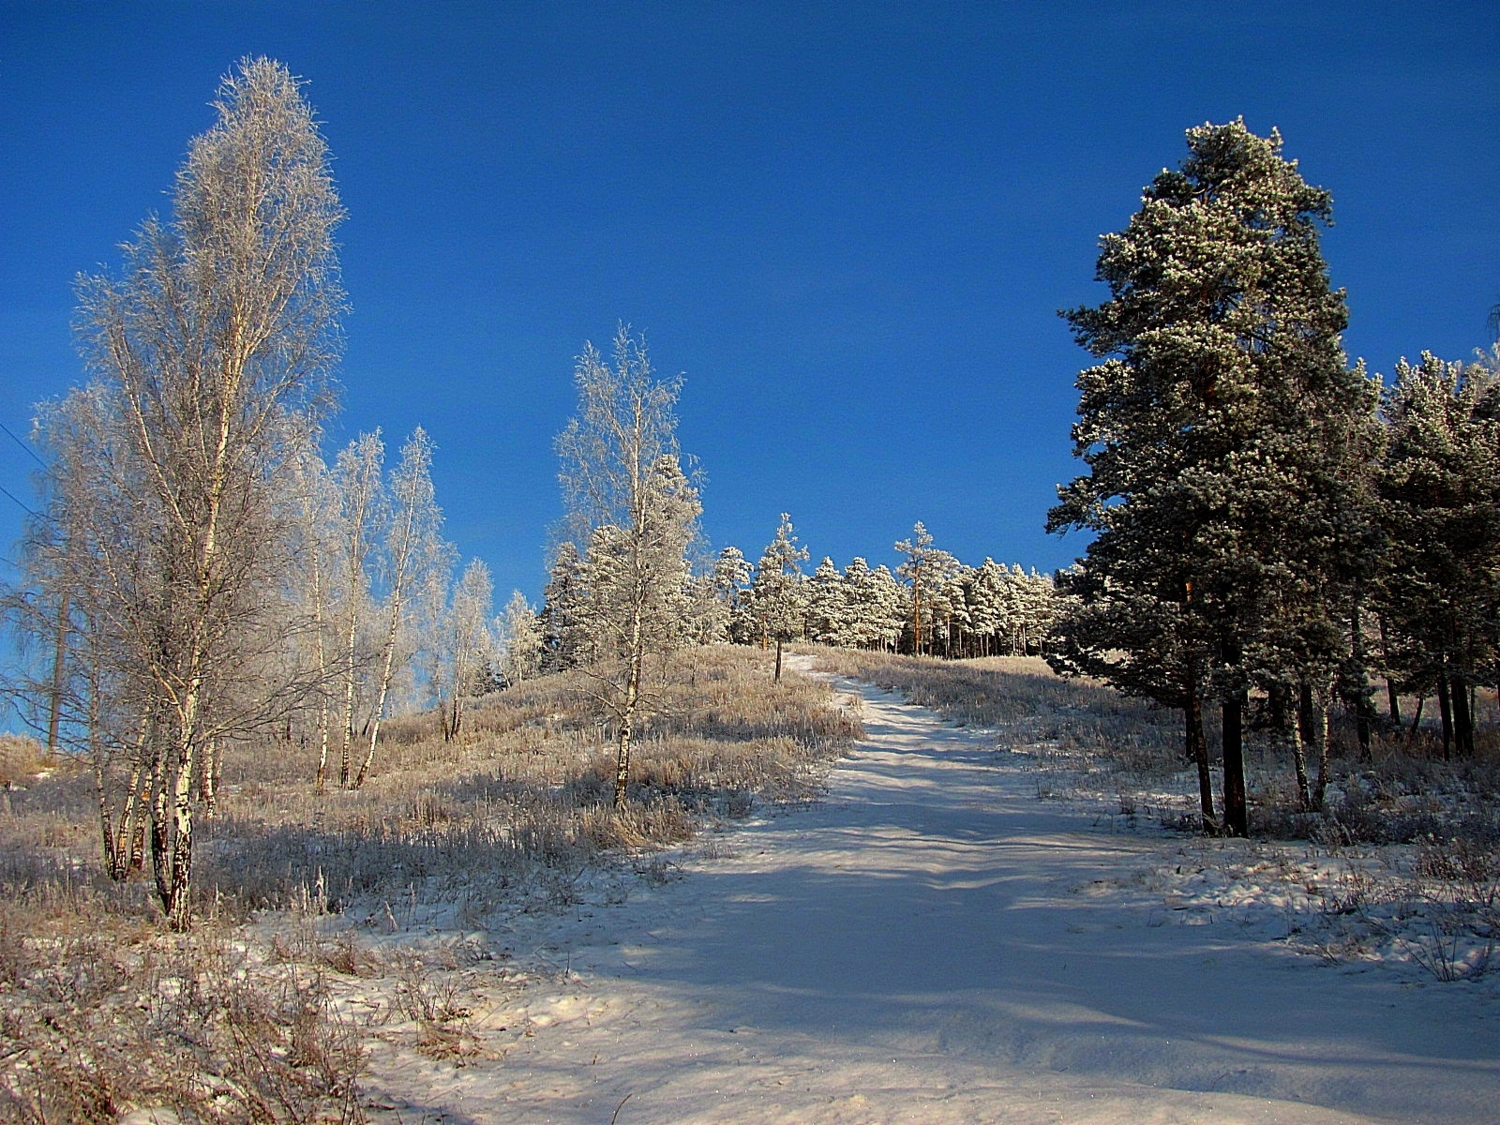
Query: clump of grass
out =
(102, 1016)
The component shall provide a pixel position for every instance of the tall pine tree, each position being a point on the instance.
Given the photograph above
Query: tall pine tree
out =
(1440, 493)
(1223, 432)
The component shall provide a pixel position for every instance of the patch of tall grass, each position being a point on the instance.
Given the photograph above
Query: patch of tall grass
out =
(103, 1012)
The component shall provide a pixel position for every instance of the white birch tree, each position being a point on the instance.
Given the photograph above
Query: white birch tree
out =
(631, 515)
(221, 329)
(359, 483)
(414, 551)
(521, 642)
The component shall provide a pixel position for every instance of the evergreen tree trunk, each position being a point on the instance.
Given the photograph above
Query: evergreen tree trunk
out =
(1416, 719)
(1445, 709)
(1236, 815)
(777, 677)
(1362, 726)
(1392, 698)
(1463, 725)
(1312, 724)
(1197, 747)
(1359, 688)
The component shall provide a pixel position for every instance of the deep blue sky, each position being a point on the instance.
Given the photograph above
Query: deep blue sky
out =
(850, 225)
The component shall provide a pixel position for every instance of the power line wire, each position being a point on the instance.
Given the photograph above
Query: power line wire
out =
(30, 452)
(18, 503)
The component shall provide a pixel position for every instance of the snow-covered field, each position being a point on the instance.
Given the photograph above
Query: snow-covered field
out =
(931, 943)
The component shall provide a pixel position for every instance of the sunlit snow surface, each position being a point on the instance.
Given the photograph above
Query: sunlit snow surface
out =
(934, 944)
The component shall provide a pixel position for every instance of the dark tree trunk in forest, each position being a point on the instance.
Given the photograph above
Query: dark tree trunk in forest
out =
(1197, 748)
(1416, 720)
(1362, 726)
(1312, 726)
(1463, 720)
(1392, 698)
(1236, 815)
(1321, 792)
(1359, 687)
(1446, 709)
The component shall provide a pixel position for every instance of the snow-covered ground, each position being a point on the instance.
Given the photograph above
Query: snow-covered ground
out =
(930, 944)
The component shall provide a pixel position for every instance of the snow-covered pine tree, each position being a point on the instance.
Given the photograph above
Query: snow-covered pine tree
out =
(1039, 601)
(562, 608)
(865, 621)
(926, 568)
(1439, 485)
(731, 588)
(1216, 430)
(778, 599)
(893, 606)
(949, 611)
(826, 604)
(988, 613)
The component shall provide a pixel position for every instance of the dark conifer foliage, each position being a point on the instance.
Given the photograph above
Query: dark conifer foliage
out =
(1440, 507)
(1226, 440)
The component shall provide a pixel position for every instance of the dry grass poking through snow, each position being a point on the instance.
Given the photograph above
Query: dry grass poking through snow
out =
(1402, 869)
(250, 1020)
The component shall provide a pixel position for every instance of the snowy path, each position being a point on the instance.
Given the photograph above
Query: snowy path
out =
(933, 944)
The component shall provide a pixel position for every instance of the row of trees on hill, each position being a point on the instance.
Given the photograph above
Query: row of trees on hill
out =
(195, 572)
(1270, 525)
(931, 603)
